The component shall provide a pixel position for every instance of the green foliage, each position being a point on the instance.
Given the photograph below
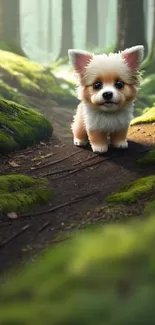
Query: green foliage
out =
(11, 46)
(148, 117)
(148, 159)
(32, 79)
(19, 193)
(148, 85)
(103, 276)
(150, 208)
(12, 94)
(21, 127)
(133, 191)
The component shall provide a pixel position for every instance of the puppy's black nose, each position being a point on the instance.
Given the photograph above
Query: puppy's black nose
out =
(107, 95)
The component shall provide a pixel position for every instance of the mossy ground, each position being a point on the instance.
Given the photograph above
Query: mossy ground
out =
(133, 191)
(20, 193)
(147, 160)
(21, 127)
(31, 79)
(101, 276)
(148, 117)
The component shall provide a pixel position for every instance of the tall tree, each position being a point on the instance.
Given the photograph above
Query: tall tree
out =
(149, 63)
(130, 24)
(92, 36)
(39, 23)
(10, 24)
(103, 16)
(49, 29)
(67, 28)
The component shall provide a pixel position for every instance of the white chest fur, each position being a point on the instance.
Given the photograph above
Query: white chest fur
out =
(107, 122)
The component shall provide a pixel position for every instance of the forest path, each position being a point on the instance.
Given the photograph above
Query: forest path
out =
(80, 181)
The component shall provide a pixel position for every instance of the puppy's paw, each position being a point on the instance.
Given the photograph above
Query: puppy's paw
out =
(100, 149)
(121, 145)
(80, 143)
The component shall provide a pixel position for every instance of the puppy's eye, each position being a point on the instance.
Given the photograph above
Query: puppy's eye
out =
(119, 84)
(97, 85)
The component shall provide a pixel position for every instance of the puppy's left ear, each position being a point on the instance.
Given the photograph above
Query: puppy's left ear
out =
(134, 57)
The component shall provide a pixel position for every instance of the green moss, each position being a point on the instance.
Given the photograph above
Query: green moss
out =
(103, 276)
(133, 191)
(148, 117)
(19, 193)
(148, 159)
(149, 209)
(21, 127)
(32, 79)
(12, 94)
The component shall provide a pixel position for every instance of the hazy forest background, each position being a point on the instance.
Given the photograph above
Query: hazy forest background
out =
(44, 30)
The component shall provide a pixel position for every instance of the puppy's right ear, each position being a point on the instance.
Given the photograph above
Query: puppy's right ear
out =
(79, 60)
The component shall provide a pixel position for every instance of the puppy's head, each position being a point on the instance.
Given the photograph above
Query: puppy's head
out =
(107, 82)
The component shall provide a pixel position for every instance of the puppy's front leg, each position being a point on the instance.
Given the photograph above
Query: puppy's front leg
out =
(118, 139)
(98, 141)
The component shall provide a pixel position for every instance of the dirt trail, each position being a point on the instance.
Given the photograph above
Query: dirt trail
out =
(80, 181)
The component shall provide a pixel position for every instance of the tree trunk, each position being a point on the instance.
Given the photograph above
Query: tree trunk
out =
(103, 12)
(92, 36)
(130, 24)
(49, 38)
(39, 24)
(10, 25)
(149, 63)
(67, 33)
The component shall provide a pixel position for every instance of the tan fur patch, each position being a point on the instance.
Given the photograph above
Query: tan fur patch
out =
(116, 137)
(97, 138)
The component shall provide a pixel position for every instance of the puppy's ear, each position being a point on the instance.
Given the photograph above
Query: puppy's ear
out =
(134, 57)
(79, 60)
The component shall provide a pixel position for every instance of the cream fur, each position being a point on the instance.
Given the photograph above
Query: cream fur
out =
(98, 120)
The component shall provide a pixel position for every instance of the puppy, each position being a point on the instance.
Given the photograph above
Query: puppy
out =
(107, 88)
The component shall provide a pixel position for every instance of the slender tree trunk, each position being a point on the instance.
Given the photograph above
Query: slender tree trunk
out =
(131, 24)
(103, 11)
(10, 25)
(49, 38)
(39, 23)
(1, 19)
(149, 63)
(67, 26)
(92, 36)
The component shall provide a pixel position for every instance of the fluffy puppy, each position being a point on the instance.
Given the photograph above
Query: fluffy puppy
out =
(107, 88)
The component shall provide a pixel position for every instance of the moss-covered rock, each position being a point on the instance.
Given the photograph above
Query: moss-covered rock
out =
(32, 79)
(104, 276)
(148, 117)
(21, 127)
(147, 160)
(19, 193)
(133, 191)
(12, 94)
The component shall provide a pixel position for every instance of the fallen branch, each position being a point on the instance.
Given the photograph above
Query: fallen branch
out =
(8, 240)
(57, 161)
(78, 199)
(88, 159)
(87, 166)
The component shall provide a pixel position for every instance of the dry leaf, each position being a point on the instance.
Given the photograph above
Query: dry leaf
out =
(42, 157)
(12, 215)
(13, 164)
